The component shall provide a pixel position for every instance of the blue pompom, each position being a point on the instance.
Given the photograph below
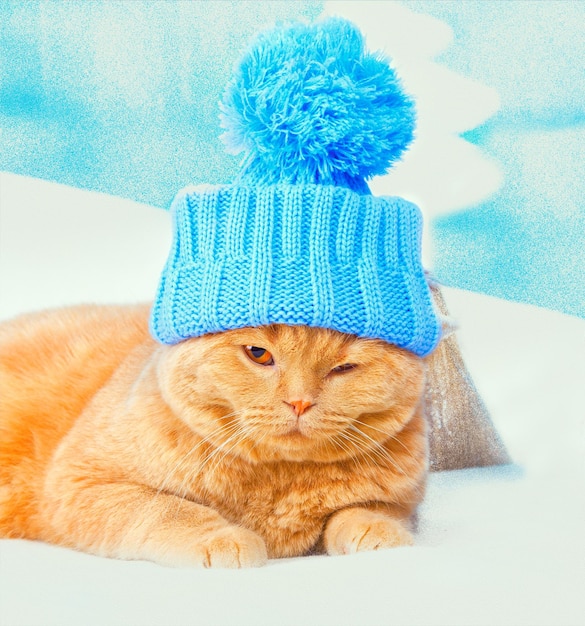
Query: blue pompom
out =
(309, 104)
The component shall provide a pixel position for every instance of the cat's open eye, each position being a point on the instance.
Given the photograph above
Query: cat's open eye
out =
(341, 369)
(259, 355)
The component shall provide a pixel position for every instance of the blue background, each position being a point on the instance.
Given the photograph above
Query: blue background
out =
(121, 97)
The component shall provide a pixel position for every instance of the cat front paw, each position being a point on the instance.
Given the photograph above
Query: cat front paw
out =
(233, 547)
(357, 530)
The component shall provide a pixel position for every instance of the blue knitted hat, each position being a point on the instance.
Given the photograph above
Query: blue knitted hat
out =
(298, 238)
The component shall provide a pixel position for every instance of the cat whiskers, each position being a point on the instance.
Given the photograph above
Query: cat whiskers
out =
(237, 433)
(348, 450)
(180, 491)
(329, 425)
(256, 441)
(419, 489)
(220, 449)
(393, 437)
(414, 484)
(378, 450)
(186, 459)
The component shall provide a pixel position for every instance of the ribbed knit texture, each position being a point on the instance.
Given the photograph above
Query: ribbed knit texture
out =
(316, 255)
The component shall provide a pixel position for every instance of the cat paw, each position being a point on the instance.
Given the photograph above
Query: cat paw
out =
(357, 530)
(233, 547)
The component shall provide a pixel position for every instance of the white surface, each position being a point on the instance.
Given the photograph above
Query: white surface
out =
(498, 546)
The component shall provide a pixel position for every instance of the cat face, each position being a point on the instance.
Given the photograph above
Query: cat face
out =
(291, 392)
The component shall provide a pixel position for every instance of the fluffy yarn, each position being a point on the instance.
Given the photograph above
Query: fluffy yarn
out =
(309, 104)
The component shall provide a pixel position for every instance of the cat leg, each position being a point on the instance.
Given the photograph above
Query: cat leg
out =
(358, 529)
(135, 522)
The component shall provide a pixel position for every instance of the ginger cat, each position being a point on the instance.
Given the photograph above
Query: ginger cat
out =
(223, 450)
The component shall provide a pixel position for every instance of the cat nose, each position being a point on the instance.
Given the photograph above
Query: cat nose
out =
(299, 406)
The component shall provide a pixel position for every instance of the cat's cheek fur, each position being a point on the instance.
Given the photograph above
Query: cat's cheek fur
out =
(359, 529)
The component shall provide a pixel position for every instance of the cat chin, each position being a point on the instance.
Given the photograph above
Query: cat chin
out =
(295, 447)
(290, 454)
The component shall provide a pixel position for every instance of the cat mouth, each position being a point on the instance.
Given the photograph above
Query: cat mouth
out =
(293, 433)
(296, 434)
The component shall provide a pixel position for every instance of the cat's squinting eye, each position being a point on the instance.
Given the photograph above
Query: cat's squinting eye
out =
(259, 355)
(346, 367)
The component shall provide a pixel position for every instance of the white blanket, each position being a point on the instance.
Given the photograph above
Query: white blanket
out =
(496, 546)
